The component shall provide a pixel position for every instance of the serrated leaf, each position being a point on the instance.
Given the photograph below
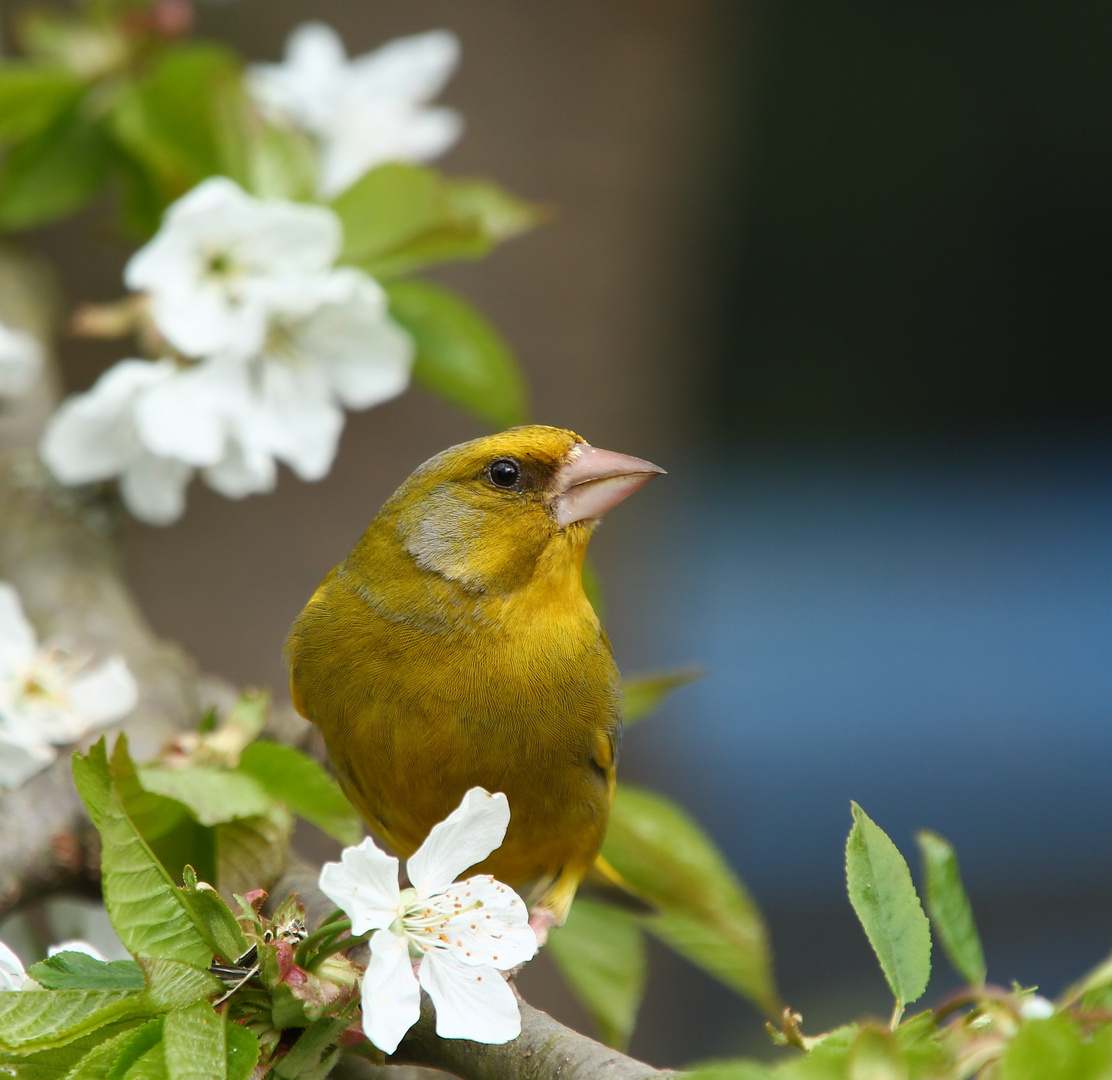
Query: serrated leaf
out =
(194, 1041)
(949, 907)
(69, 1060)
(215, 920)
(887, 905)
(40, 1019)
(55, 172)
(172, 984)
(211, 795)
(601, 952)
(251, 853)
(33, 96)
(705, 912)
(114, 1062)
(142, 900)
(643, 694)
(79, 971)
(299, 782)
(243, 1052)
(460, 356)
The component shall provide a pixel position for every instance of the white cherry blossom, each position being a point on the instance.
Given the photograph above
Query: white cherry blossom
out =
(12, 975)
(94, 436)
(49, 697)
(464, 934)
(21, 357)
(223, 261)
(365, 111)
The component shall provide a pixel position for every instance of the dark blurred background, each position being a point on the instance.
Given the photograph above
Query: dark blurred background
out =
(843, 269)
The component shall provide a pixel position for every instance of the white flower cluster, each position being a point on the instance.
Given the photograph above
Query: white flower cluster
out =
(271, 342)
(20, 360)
(366, 111)
(48, 697)
(460, 935)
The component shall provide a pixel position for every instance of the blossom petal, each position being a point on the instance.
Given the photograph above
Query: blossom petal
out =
(153, 489)
(465, 837)
(21, 757)
(92, 435)
(105, 693)
(12, 975)
(304, 424)
(305, 86)
(364, 883)
(493, 926)
(407, 70)
(247, 469)
(391, 994)
(471, 1002)
(187, 416)
(17, 636)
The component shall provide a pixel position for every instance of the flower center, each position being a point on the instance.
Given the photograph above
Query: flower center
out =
(424, 919)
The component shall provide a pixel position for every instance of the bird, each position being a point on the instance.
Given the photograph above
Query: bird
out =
(455, 647)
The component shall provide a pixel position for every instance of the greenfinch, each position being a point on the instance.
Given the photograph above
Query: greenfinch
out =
(455, 647)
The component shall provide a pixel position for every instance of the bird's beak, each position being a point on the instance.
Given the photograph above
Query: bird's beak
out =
(592, 481)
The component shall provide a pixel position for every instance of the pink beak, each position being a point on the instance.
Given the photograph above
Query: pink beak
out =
(592, 481)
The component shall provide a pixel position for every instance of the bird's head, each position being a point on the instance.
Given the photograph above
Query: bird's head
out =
(485, 513)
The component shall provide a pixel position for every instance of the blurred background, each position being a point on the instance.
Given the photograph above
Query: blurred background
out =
(844, 271)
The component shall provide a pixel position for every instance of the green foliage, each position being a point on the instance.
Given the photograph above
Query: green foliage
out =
(949, 908)
(399, 218)
(601, 952)
(644, 694)
(304, 787)
(144, 907)
(704, 912)
(79, 971)
(888, 907)
(460, 356)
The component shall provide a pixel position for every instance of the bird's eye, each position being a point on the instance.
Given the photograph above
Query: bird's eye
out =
(504, 473)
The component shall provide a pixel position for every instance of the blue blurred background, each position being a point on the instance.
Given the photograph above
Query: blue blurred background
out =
(845, 271)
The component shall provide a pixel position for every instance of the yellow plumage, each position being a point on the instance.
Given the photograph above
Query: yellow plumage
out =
(455, 647)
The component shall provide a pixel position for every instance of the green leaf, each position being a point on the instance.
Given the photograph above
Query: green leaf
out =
(301, 783)
(243, 1052)
(386, 208)
(399, 218)
(185, 120)
(172, 984)
(33, 96)
(40, 1019)
(211, 795)
(315, 1054)
(79, 971)
(1051, 1049)
(949, 907)
(113, 1063)
(460, 356)
(251, 853)
(282, 163)
(705, 912)
(55, 172)
(195, 1043)
(601, 952)
(643, 694)
(882, 894)
(71, 1059)
(214, 918)
(143, 903)
(592, 586)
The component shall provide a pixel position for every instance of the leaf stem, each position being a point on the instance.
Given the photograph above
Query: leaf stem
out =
(336, 923)
(897, 1015)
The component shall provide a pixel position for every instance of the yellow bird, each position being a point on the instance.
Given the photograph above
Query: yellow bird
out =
(455, 647)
